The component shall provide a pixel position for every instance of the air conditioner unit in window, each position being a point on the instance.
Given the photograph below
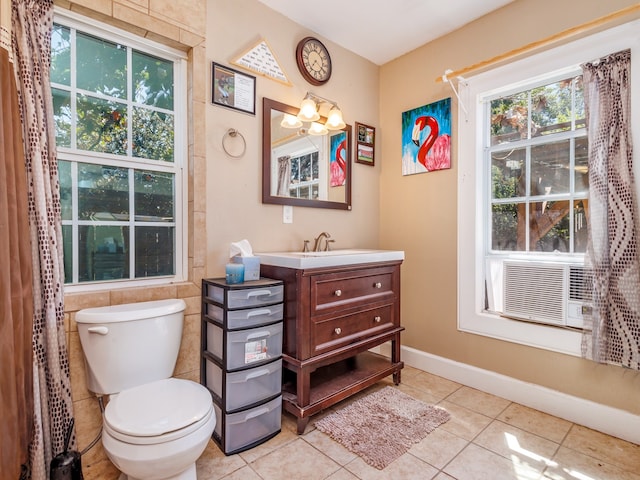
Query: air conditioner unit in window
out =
(553, 294)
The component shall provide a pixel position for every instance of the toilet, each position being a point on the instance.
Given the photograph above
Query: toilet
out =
(154, 427)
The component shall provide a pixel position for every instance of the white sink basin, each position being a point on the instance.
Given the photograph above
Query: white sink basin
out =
(328, 259)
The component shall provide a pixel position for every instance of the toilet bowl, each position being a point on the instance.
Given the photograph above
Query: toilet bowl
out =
(154, 426)
(158, 430)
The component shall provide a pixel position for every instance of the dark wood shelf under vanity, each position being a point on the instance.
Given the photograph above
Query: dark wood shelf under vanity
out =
(333, 317)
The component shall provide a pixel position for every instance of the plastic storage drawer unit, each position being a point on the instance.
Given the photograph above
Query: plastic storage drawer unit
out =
(247, 295)
(245, 318)
(244, 388)
(236, 432)
(245, 348)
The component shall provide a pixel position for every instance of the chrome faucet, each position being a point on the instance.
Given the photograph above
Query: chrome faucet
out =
(317, 242)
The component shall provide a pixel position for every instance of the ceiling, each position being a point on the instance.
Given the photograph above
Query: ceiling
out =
(381, 30)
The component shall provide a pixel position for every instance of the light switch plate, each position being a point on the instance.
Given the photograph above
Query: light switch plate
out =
(287, 214)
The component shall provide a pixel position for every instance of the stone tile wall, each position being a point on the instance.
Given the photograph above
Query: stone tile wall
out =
(180, 24)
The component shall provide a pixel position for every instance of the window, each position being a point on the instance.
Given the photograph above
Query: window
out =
(118, 104)
(523, 186)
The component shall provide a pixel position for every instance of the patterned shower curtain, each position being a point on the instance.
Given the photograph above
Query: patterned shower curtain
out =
(32, 22)
(16, 298)
(612, 251)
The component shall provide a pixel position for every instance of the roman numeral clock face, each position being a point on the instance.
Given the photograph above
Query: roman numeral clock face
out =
(313, 61)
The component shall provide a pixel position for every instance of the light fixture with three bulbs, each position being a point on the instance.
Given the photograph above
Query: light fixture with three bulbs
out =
(309, 112)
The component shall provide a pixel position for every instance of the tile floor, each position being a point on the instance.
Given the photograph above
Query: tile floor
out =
(487, 437)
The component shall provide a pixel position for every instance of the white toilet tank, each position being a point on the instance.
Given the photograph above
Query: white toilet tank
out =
(129, 345)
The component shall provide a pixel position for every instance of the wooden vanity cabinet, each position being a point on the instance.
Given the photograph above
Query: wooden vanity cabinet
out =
(332, 317)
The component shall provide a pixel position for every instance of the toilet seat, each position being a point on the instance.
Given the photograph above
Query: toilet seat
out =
(158, 412)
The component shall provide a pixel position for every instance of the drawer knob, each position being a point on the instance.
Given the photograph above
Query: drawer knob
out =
(337, 293)
(338, 330)
(378, 285)
(377, 319)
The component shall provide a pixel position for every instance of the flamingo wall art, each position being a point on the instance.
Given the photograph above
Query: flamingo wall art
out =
(426, 138)
(338, 163)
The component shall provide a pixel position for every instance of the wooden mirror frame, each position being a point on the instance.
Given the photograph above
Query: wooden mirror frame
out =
(267, 106)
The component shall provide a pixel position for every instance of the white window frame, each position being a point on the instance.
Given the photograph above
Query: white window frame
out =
(180, 163)
(472, 211)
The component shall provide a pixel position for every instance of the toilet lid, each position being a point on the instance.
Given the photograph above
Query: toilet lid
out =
(158, 408)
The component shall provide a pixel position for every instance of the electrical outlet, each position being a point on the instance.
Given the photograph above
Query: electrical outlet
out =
(287, 214)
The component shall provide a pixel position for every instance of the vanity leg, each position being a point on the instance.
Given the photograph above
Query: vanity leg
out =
(395, 357)
(302, 425)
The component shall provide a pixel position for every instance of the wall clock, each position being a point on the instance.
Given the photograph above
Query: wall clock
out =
(313, 61)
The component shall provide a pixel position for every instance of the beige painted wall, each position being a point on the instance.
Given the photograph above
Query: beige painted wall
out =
(234, 192)
(418, 213)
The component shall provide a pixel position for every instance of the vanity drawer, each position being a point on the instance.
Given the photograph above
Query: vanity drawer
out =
(328, 334)
(347, 289)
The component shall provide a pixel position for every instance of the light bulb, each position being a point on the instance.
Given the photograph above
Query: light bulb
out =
(317, 129)
(290, 121)
(334, 120)
(308, 111)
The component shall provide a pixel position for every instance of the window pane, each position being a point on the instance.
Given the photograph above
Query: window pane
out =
(101, 66)
(550, 168)
(580, 227)
(152, 134)
(581, 165)
(508, 173)
(103, 192)
(60, 71)
(509, 118)
(551, 108)
(62, 116)
(152, 80)
(549, 227)
(504, 227)
(154, 251)
(64, 174)
(103, 253)
(154, 196)
(579, 103)
(102, 125)
(67, 245)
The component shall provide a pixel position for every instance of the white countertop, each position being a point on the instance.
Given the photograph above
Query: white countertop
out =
(332, 258)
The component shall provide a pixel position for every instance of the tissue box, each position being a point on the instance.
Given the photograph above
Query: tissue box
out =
(251, 266)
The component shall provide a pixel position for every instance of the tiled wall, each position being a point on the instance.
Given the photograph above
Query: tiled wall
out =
(179, 24)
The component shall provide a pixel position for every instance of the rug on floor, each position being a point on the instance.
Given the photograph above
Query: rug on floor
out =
(383, 425)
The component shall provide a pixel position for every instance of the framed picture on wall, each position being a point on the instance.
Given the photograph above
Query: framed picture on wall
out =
(365, 144)
(233, 89)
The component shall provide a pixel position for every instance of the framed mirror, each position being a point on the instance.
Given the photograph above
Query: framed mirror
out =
(302, 169)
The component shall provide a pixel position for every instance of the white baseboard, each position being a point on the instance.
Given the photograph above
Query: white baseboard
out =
(605, 419)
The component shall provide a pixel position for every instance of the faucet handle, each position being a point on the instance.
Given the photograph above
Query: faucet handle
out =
(305, 248)
(327, 245)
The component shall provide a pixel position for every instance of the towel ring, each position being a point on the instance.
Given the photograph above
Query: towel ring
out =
(233, 133)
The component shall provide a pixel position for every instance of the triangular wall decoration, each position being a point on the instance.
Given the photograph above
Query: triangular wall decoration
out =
(261, 60)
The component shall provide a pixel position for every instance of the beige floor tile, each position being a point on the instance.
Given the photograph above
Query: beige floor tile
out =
(245, 473)
(443, 476)
(421, 395)
(213, 464)
(407, 467)
(535, 421)
(342, 474)
(295, 460)
(464, 422)
(479, 401)
(512, 442)
(476, 463)
(436, 386)
(604, 447)
(438, 448)
(329, 447)
(571, 465)
(285, 436)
